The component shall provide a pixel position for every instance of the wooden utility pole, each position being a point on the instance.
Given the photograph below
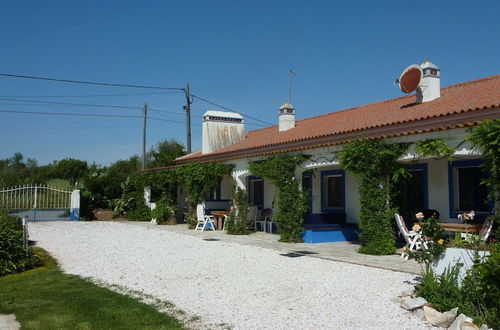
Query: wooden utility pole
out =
(187, 107)
(144, 137)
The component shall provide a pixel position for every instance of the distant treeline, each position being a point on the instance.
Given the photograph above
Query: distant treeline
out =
(101, 186)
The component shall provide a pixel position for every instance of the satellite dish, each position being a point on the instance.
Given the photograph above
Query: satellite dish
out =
(410, 78)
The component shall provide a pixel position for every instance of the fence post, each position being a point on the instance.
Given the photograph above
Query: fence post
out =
(75, 205)
(24, 222)
(35, 205)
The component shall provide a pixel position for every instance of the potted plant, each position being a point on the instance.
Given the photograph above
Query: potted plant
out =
(164, 212)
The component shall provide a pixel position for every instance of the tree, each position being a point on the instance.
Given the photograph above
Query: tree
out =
(164, 153)
(14, 171)
(71, 169)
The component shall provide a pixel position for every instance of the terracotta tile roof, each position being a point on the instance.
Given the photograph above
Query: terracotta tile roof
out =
(465, 97)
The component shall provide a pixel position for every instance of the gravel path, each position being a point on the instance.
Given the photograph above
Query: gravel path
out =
(245, 287)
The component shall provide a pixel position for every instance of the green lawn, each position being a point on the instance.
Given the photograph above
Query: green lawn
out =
(46, 298)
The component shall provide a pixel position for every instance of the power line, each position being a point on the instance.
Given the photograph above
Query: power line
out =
(127, 86)
(75, 104)
(92, 105)
(228, 109)
(88, 82)
(85, 115)
(88, 95)
(38, 102)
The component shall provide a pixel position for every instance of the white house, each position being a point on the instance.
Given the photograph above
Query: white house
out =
(434, 112)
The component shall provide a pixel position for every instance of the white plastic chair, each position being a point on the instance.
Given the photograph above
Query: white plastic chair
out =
(484, 233)
(412, 238)
(270, 222)
(203, 219)
(260, 218)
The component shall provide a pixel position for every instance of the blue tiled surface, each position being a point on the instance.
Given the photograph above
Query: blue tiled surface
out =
(330, 235)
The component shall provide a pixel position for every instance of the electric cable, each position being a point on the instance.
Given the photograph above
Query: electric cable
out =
(11, 75)
(228, 109)
(89, 95)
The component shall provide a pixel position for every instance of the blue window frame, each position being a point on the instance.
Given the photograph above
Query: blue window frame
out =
(333, 191)
(465, 191)
(255, 191)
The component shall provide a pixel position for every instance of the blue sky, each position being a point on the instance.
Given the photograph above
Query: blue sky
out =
(234, 53)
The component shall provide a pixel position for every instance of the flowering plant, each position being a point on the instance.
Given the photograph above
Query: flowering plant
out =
(467, 216)
(430, 235)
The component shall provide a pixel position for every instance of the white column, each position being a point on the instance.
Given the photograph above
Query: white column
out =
(75, 205)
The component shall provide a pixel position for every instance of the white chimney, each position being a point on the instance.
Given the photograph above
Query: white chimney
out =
(220, 129)
(287, 116)
(429, 88)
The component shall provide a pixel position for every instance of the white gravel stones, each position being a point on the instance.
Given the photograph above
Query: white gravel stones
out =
(412, 303)
(243, 286)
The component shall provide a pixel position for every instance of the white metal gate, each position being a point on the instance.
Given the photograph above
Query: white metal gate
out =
(41, 202)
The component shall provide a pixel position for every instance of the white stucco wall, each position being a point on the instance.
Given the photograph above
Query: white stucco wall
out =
(352, 206)
(438, 187)
(269, 190)
(226, 187)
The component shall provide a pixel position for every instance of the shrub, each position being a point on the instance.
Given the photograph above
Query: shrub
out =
(14, 257)
(238, 222)
(140, 213)
(163, 211)
(478, 296)
(442, 290)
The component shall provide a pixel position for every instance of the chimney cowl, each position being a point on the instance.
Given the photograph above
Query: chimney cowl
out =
(429, 87)
(221, 129)
(286, 116)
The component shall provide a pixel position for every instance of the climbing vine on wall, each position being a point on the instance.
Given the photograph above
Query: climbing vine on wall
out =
(374, 163)
(486, 138)
(434, 147)
(292, 202)
(238, 220)
(198, 179)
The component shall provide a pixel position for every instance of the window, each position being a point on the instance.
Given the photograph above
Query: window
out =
(332, 191)
(256, 191)
(466, 191)
(214, 195)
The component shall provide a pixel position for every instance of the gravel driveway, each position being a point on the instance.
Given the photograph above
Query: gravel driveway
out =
(245, 287)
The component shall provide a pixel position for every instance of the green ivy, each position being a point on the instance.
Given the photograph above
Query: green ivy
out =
(161, 183)
(486, 138)
(238, 222)
(375, 164)
(434, 147)
(292, 202)
(198, 179)
(164, 211)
